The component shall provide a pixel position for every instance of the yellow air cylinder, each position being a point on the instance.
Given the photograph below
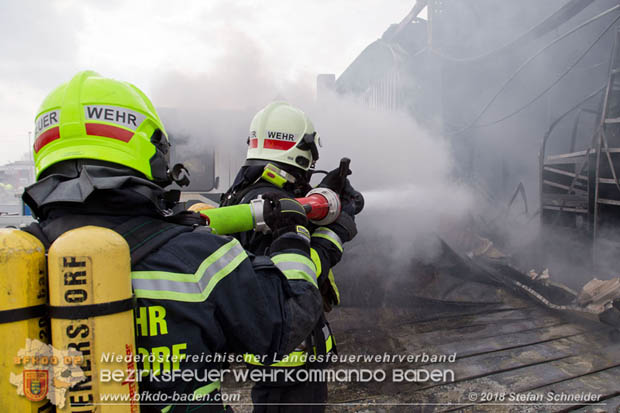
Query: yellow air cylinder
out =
(23, 294)
(92, 312)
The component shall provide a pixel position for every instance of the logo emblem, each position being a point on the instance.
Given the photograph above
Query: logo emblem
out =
(35, 384)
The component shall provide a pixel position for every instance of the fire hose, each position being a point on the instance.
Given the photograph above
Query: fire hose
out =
(322, 206)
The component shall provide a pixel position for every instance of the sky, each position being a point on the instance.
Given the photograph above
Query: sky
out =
(44, 43)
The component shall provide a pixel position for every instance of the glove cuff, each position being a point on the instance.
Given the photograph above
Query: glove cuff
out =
(293, 237)
(344, 227)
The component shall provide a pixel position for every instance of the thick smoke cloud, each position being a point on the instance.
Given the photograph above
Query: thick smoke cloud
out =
(45, 43)
(404, 170)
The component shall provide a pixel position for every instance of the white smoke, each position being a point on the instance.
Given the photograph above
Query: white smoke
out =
(404, 171)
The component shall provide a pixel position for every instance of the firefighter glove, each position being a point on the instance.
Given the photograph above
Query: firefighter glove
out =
(284, 215)
(352, 201)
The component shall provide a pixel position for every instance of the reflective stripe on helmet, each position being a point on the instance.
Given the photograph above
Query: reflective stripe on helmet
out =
(112, 121)
(46, 137)
(45, 121)
(46, 129)
(283, 133)
(120, 116)
(279, 145)
(108, 131)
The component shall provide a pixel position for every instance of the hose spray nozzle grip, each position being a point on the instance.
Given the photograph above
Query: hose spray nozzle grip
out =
(322, 207)
(343, 172)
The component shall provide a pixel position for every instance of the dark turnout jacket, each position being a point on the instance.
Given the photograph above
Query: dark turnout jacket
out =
(326, 252)
(198, 294)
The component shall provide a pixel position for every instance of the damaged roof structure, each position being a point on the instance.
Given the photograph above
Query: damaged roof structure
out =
(500, 80)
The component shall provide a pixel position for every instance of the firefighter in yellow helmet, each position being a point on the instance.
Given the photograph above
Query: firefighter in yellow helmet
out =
(282, 152)
(101, 158)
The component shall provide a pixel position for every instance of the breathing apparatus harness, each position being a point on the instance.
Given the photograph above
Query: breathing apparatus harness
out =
(257, 174)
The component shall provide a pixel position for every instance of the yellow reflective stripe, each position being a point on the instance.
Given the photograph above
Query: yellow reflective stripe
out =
(216, 385)
(209, 388)
(190, 287)
(328, 234)
(296, 267)
(329, 343)
(330, 275)
(329, 340)
(296, 358)
(182, 277)
(332, 282)
(314, 256)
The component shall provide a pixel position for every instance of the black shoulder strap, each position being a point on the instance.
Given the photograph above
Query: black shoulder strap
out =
(247, 176)
(35, 229)
(143, 234)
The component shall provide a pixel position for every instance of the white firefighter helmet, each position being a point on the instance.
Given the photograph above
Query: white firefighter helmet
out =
(282, 133)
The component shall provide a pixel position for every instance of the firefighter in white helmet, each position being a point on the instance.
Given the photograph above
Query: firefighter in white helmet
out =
(283, 148)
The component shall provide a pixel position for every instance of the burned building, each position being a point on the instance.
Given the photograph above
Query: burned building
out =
(498, 80)
(579, 186)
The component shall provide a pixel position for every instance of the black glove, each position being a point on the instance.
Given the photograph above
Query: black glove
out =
(351, 200)
(333, 180)
(284, 215)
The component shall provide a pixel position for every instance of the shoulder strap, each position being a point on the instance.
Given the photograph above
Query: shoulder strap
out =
(143, 234)
(35, 229)
(59, 226)
(246, 176)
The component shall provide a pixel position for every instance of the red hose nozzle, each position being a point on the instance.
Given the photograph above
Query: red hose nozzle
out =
(322, 205)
